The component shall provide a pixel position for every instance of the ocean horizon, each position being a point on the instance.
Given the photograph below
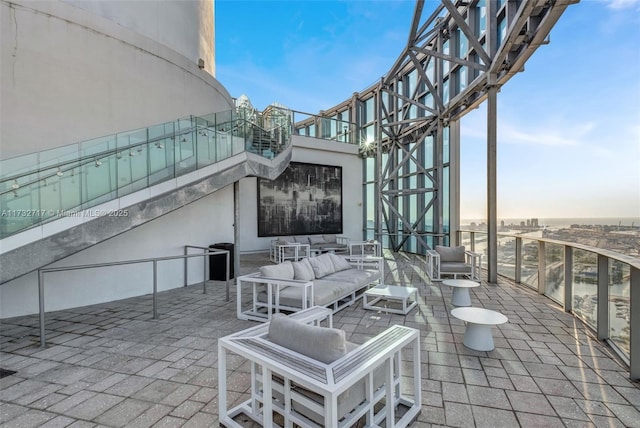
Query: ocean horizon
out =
(566, 222)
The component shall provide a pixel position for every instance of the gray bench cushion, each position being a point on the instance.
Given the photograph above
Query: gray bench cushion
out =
(320, 343)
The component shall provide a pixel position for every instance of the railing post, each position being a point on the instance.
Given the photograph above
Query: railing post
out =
(603, 297)
(227, 272)
(568, 278)
(204, 273)
(41, 306)
(186, 259)
(634, 324)
(518, 273)
(542, 267)
(155, 289)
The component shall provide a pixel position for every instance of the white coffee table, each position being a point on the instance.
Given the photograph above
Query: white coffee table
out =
(460, 295)
(479, 321)
(407, 295)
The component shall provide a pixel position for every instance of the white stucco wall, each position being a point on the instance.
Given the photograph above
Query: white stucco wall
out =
(185, 26)
(316, 151)
(69, 75)
(202, 223)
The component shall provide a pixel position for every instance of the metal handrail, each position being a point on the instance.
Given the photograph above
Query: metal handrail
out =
(154, 260)
(207, 251)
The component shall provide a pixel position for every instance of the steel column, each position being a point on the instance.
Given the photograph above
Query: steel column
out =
(492, 190)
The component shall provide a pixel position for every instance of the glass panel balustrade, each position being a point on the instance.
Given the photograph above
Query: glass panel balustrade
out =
(554, 272)
(585, 286)
(529, 263)
(583, 281)
(620, 304)
(507, 256)
(44, 186)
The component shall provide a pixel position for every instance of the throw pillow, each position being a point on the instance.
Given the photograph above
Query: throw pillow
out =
(287, 240)
(339, 263)
(330, 239)
(320, 343)
(319, 239)
(303, 239)
(281, 271)
(322, 265)
(302, 270)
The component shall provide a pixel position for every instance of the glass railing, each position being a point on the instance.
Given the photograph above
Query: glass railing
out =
(592, 283)
(64, 181)
(325, 128)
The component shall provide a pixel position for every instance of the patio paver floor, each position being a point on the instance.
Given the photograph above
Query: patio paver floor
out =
(113, 365)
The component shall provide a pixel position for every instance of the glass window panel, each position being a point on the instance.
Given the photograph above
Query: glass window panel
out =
(445, 64)
(502, 30)
(370, 166)
(585, 286)
(481, 15)
(369, 107)
(445, 145)
(370, 204)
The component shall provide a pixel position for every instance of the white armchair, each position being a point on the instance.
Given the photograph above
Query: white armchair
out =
(365, 248)
(310, 376)
(282, 250)
(453, 261)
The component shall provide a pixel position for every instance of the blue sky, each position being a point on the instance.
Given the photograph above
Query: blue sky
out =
(568, 127)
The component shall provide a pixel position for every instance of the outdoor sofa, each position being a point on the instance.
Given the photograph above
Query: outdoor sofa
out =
(328, 280)
(297, 247)
(303, 374)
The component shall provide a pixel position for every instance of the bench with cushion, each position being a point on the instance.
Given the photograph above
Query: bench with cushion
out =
(328, 280)
(311, 376)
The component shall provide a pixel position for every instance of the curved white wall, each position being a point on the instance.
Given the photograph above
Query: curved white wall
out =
(69, 74)
(185, 26)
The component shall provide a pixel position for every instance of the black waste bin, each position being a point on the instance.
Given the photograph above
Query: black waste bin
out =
(217, 262)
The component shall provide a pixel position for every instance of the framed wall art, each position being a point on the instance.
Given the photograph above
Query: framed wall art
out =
(305, 199)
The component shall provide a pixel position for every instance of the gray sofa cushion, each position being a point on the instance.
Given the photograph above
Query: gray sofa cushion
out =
(286, 240)
(454, 267)
(283, 270)
(322, 265)
(339, 263)
(302, 270)
(320, 343)
(450, 254)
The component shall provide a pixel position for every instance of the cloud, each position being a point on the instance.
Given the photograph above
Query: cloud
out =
(623, 4)
(546, 135)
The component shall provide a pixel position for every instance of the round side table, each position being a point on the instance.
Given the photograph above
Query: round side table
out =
(479, 321)
(460, 295)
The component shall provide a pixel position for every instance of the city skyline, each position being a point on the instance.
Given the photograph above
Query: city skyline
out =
(568, 126)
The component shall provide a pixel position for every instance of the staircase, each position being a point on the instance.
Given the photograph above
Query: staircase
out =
(58, 202)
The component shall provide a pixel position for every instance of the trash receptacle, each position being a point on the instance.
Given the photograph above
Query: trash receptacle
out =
(217, 262)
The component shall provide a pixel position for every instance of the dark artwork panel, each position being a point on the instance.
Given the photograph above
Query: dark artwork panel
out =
(305, 199)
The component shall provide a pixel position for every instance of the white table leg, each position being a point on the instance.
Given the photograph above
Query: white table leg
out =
(478, 337)
(460, 297)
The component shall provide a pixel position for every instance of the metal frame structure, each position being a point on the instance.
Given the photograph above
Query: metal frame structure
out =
(407, 124)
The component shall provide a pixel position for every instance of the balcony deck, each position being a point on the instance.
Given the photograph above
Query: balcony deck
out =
(113, 365)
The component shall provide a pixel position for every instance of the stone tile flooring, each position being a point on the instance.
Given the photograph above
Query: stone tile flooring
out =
(113, 365)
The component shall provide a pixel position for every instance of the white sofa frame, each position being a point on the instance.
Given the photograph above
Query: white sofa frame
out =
(295, 251)
(296, 372)
(435, 272)
(262, 311)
